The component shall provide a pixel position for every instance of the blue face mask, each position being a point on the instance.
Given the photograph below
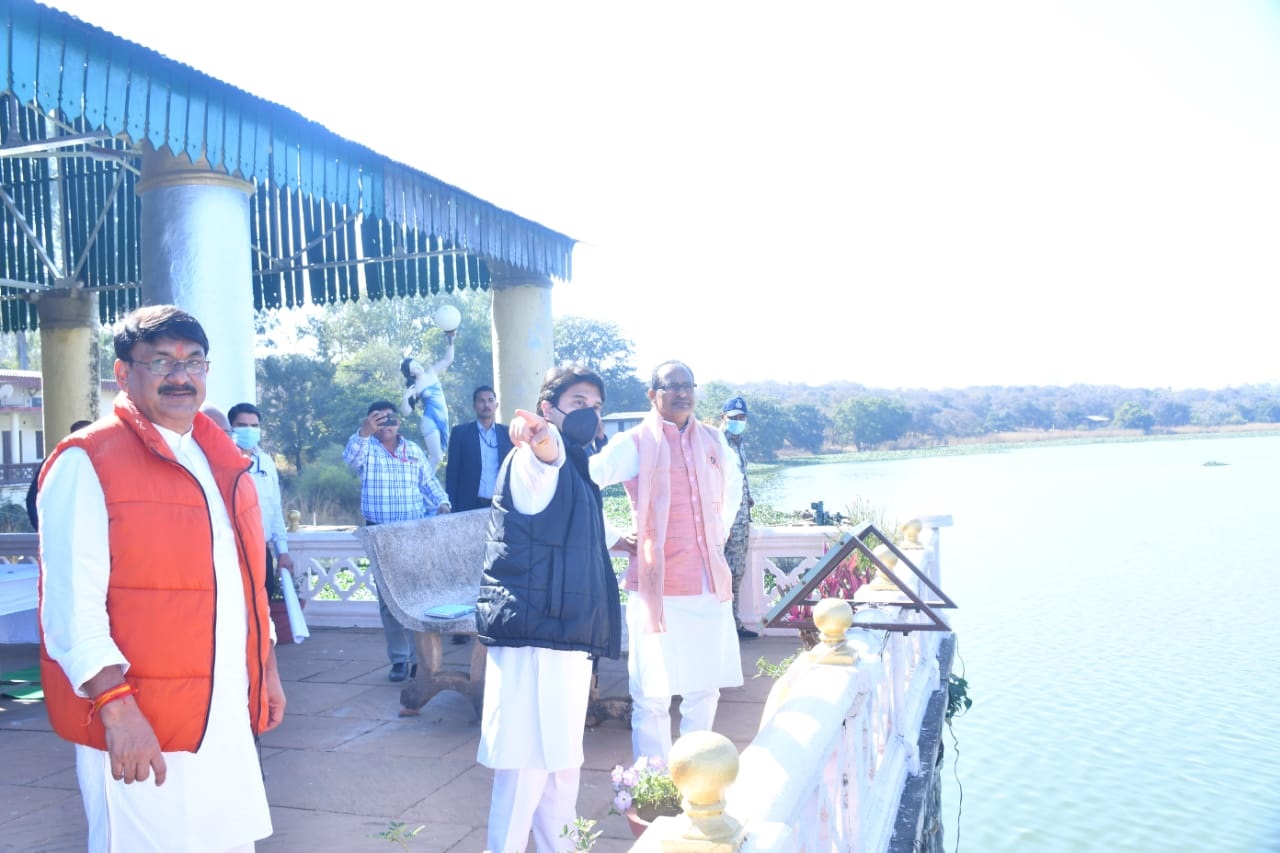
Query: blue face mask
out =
(246, 437)
(735, 426)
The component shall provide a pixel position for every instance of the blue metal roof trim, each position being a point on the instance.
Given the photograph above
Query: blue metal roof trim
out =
(62, 63)
(477, 226)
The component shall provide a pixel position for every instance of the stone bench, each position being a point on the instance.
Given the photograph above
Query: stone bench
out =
(437, 561)
(423, 564)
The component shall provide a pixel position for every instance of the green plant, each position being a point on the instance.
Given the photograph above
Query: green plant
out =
(764, 669)
(14, 518)
(766, 515)
(958, 701)
(398, 832)
(326, 492)
(646, 785)
(581, 835)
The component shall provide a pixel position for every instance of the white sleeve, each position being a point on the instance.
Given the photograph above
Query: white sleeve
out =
(533, 482)
(75, 569)
(617, 462)
(273, 511)
(356, 453)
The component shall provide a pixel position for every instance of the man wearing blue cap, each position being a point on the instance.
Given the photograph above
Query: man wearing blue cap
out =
(735, 549)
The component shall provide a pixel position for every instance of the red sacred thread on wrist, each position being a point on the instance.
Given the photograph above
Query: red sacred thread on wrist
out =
(111, 694)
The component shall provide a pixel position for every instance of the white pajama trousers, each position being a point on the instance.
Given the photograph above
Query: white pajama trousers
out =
(651, 720)
(695, 657)
(535, 706)
(544, 800)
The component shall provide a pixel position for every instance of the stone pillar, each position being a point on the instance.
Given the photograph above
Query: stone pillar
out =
(69, 360)
(523, 337)
(196, 255)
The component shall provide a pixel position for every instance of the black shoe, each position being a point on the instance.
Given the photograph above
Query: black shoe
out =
(399, 671)
(460, 639)
(746, 634)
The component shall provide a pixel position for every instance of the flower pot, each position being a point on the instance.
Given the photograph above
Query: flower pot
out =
(638, 824)
(280, 616)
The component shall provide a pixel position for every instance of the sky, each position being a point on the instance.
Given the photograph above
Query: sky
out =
(902, 195)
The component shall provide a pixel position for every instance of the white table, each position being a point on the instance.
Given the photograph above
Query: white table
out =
(18, 601)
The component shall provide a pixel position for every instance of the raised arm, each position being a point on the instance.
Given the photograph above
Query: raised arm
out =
(443, 364)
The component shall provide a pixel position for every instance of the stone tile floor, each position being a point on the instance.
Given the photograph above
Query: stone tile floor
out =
(344, 765)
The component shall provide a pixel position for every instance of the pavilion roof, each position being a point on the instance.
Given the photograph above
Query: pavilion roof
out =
(331, 220)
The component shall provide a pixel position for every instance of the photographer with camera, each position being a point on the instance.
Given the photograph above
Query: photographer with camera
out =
(396, 484)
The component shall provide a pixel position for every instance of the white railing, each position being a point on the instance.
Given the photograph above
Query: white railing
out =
(18, 547)
(330, 568)
(332, 572)
(837, 741)
(836, 744)
(783, 555)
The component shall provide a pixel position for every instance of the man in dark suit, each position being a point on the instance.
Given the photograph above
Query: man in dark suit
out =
(476, 449)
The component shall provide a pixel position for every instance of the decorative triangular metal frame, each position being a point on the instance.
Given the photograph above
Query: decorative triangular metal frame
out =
(800, 595)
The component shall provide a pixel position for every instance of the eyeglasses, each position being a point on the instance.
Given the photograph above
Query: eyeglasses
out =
(678, 387)
(165, 366)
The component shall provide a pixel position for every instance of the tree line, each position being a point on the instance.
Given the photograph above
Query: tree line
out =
(312, 402)
(317, 377)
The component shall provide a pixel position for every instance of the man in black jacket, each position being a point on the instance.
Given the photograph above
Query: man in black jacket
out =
(548, 602)
(476, 449)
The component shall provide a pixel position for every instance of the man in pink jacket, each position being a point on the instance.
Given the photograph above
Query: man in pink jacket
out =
(685, 486)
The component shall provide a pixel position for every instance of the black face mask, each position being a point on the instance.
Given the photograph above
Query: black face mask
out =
(579, 427)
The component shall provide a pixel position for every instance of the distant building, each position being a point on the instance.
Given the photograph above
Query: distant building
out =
(619, 421)
(22, 421)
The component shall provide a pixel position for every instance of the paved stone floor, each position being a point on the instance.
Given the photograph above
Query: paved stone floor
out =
(344, 765)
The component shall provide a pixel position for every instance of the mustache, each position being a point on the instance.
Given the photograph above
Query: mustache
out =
(171, 389)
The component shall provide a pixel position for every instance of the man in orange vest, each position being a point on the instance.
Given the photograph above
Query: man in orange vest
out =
(157, 650)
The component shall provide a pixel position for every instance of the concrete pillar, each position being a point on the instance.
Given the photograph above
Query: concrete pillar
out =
(523, 337)
(196, 255)
(69, 360)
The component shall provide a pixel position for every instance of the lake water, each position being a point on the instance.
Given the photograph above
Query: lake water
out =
(1119, 627)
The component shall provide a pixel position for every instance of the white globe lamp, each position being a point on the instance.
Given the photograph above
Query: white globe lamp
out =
(447, 318)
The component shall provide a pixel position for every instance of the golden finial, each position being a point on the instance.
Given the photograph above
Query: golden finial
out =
(703, 765)
(833, 617)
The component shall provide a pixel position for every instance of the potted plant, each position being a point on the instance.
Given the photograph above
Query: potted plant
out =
(644, 791)
(280, 612)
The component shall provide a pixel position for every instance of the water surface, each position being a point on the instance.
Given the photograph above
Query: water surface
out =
(1118, 627)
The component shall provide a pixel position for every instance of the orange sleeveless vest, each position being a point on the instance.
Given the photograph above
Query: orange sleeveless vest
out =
(161, 593)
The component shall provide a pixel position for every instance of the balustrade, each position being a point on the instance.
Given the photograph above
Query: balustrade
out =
(840, 731)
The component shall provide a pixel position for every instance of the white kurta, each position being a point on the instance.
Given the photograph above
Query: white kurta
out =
(535, 700)
(212, 800)
(659, 664)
